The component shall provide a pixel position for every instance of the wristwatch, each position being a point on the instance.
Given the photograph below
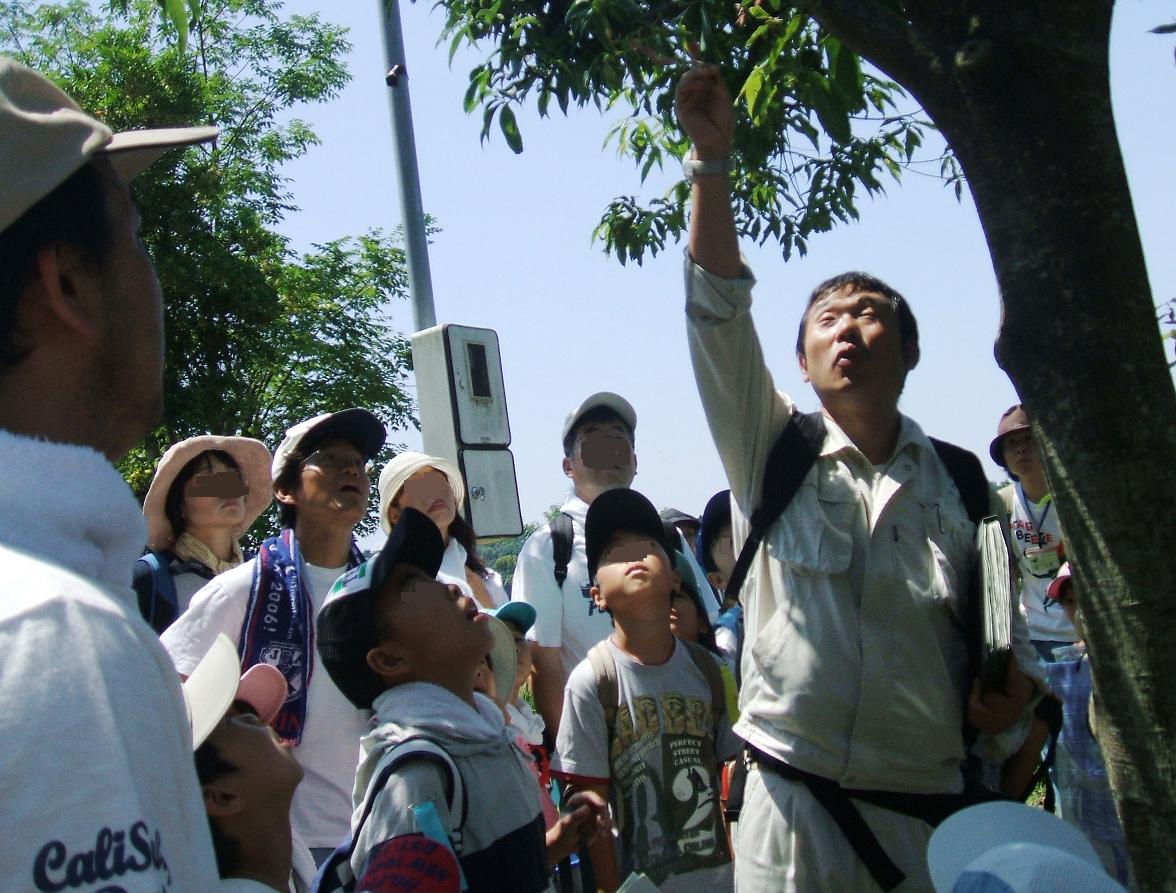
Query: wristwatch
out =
(694, 167)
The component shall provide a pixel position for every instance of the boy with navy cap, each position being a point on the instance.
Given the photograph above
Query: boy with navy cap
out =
(399, 643)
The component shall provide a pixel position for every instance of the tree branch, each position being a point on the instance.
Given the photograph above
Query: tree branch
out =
(878, 34)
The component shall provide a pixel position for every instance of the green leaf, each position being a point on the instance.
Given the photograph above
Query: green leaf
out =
(751, 90)
(830, 111)
(177, 14)
(510, 129)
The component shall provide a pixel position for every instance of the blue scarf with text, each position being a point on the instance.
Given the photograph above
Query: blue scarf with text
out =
(279, 625)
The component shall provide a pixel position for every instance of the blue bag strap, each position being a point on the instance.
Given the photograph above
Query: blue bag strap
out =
(163, 587)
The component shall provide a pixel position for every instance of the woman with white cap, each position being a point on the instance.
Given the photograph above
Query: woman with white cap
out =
(206, 493)
(435, 487)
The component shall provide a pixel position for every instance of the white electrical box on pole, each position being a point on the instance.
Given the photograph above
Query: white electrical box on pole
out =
(460, 391)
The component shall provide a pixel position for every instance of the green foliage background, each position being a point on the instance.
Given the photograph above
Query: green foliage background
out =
(819, 127)
(259, 336)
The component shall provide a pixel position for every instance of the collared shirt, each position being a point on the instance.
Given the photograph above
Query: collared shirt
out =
(855, 666)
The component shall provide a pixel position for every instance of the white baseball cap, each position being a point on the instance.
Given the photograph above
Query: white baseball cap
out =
(45, 138)
(217, 681)
(607, 399)
(357, 426)
(973, 832)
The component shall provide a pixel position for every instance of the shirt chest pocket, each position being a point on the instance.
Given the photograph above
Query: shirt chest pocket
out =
(934, 548)
(816, 532)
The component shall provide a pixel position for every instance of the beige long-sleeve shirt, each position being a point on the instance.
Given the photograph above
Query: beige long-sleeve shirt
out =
(855, 664)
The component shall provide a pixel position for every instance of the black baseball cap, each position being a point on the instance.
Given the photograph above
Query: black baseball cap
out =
(346, 626)
(621, 509)
(715, 516)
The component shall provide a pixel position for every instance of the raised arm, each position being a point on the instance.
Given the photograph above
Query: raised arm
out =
(743, 409)
(705, 112)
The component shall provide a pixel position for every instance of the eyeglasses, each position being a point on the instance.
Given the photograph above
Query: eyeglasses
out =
(335, 462)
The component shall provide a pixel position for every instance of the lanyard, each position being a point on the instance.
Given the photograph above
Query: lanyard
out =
(1037, 523)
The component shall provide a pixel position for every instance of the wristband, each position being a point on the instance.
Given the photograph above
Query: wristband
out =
(693, 167)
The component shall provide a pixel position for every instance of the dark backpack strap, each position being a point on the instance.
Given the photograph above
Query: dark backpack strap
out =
(792, 456)
(968, 475)
(709, 667)
(163, 606)
(608, 688)
(561, 545)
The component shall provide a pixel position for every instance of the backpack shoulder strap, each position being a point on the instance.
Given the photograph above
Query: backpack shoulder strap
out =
(792, 456)
(335, 873)
(608, 689)
(164, 606)
(709, 667)
(968, 474)
(562, 535)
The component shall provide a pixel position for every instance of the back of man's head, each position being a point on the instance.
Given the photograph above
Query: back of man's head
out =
(65, 217)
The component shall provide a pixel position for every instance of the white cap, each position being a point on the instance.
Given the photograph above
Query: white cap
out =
(608, 399)
(405, 465)
(1033, 868)
(217, 681)
(45, 138)
(974, 831)
(358, 426)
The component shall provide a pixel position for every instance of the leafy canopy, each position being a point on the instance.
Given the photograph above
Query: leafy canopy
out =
(258, 336)
(818, 128)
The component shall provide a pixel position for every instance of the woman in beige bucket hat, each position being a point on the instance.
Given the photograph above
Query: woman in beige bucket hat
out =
(206, 493)
(434, 486)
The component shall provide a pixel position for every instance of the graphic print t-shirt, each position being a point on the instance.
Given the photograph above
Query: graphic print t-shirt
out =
(1036, 536)
(662, 762)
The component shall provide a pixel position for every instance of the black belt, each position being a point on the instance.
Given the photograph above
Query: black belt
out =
(838, 802)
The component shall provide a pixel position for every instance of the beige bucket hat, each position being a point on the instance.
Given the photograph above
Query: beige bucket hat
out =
(45, 137)
(251, 455)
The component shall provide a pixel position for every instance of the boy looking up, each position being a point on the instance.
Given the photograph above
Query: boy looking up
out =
(397, 642)
(655, 741)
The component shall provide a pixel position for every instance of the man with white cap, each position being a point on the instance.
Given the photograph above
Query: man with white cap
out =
(99, 788)
(552, 570)
(268, 606)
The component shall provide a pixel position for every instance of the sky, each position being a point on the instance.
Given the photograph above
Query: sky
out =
(515, 254)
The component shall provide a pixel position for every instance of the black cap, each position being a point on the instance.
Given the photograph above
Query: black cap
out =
(715, 516)
(346, 626)
(616, 510)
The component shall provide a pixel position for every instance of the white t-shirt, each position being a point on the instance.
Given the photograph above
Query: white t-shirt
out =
(453, 570)
(329, 751)
(566, 618)
(98, 790)
(1036, 534)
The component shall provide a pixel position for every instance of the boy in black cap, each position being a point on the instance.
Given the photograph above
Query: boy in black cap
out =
(643, 716)
(397, 642)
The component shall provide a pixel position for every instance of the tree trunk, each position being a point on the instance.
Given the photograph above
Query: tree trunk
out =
(1021, 92)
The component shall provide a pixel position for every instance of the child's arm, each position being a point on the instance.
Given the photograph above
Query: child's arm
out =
(586, 820)
(601, 848)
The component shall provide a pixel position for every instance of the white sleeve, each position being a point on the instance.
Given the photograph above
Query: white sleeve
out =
(581, 748)
(534, 583)
(743, 408)
(217, 608)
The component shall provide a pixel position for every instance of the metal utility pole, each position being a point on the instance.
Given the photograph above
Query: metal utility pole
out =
(420, 282)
